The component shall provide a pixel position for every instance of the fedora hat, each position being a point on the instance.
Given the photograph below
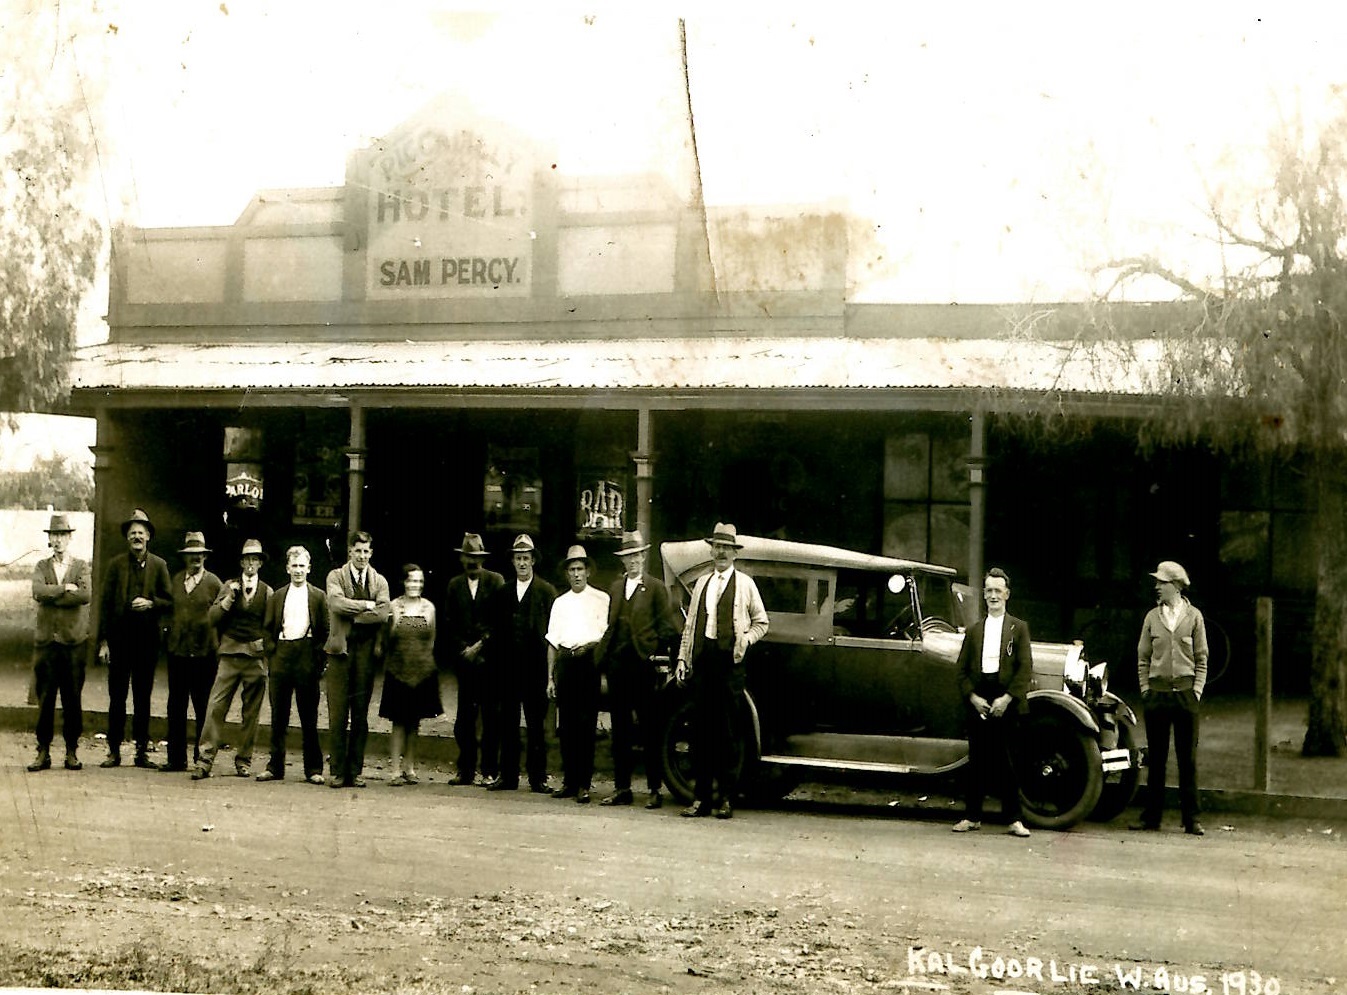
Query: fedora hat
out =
(195, 542)
(524, 544)
(632, 542)
(138, 517)
(252, 547)
(59, 523)
(725, 533)
(1172, 572)
(577, 552)
(472, 545)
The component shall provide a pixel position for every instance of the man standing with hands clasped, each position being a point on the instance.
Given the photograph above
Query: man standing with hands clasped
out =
(996, 665)
(574, 628)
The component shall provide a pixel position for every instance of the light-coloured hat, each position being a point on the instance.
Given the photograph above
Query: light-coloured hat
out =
(524, 544)
(1173, 572)
(252, 547)
(195, 542)
(138, 516)
(472, 545)
(577, 552)
(59, 523)
(726, 533)
(632, 542)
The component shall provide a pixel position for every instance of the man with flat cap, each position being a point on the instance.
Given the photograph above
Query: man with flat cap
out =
(61, 588)
(136, 594)
(640, 626)
(466, 632)
(192, 647)
(575, 626)
(519, 613)
(725, 618)
(1172, 671)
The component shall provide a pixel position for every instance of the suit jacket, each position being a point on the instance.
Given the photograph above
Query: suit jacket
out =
(115, 615)
(190, 632)
(1017, 660)
(61, 615)
(275, 619)
(342, 610)
(652, 623)
(518, 629)
(466, 619)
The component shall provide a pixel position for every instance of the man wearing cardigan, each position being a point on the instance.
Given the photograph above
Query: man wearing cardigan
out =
(192, 648)
(61, 586)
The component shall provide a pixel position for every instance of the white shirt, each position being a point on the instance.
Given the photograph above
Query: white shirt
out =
(190, 581)
(578, 619)
(632, 584)
(715, 587)
(472, 587)
(991, 643)
(295, 618)
(59, 568)
(358, 579)
(1170, 615)
(249, 588)
(521, 588)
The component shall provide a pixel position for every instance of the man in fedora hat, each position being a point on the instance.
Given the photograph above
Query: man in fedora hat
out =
(136, 594)
(1172, 671)
(574, 628)
(61, 588)
(725, 618)
(238, 614)
(466, 638)
(640, 626)
(192, 647)
(519, 615)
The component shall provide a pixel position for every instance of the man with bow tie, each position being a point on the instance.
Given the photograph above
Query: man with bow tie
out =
(238, 614)
(996, 665)
(192, 648)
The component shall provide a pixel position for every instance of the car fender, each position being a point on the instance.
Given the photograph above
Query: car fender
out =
(1045, 700)
(755, 728)
(1120, 707)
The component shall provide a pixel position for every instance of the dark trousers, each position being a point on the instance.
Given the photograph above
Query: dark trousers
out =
(350, 685)
(131, 662)
(992, 746)
(189, 679)
(1166, 710)
(293, 673)
(526, 689)
(577, 716)
(633, 690)
(717, 687)
(58, 668)
(470, 706)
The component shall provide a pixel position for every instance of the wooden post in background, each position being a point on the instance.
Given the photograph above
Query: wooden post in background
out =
(1262, 700)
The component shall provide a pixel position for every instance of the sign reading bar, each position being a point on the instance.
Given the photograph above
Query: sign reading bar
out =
(449, 216)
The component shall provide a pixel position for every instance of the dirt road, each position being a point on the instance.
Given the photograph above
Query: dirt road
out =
(132, 879)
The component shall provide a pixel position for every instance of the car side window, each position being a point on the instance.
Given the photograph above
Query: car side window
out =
(783, 594)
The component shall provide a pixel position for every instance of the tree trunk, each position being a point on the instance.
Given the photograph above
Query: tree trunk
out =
(1326, 730)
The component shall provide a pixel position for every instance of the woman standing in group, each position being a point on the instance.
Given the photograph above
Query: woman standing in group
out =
(411, 682)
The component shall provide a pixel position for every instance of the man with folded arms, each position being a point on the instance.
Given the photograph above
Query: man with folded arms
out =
(61, 586)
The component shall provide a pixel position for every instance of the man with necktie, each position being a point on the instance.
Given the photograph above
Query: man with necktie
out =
(466, 631)
(192, 648)
(61, 586)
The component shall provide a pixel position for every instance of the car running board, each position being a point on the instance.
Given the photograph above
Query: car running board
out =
(858, 766)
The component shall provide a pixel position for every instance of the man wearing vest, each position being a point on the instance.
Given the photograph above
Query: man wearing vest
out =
(725, 618)
(465, 616)
(357, 606)
(295, 630)
(61, 589)
(238, 614)
(192, 647)
(640, 626)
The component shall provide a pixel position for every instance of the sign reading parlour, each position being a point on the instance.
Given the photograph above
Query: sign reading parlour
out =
(449, 216)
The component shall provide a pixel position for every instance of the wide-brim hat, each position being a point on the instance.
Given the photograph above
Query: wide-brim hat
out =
(725, 533)
(252, 547)
(472, 545)
(524, 544)
(1173, 572)
(577, 552)
(195, 542)
(59, 523)
(138, 517)
(632, 542)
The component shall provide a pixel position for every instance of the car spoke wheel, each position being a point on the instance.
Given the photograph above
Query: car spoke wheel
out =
(677, 752)
(1060, 775)
(1120, 786)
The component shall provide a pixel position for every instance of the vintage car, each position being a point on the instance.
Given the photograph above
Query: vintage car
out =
(856, 680)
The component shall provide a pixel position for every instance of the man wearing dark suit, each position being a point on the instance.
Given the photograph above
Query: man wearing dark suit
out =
(192, 647)
(996, 665)
(61, 586)
(136, 593)
(295, 631)
(520, 612)
(357, 606)
(640, 626)
(466, 635)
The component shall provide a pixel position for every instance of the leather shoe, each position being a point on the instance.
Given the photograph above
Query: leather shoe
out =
(335, 782)
(499, 785)
(200, 773)
(356, 782)
(113, 759)
(565, 791)
(41, 762)
(656, 800)
(243, 770)
(143, 760)
(266, 775)
(696, 810)
(539, 788)
(618, 798)
(314, 778)
(1144, 826)
(1194, 828)
(582, 796)
(72, 762)
(172, 768)
(462, 780)
(723, 811)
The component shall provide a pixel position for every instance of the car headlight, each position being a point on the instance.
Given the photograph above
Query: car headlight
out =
(1073, 671)
(1098, 683)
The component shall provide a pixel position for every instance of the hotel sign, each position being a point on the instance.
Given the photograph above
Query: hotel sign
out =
(449, 216)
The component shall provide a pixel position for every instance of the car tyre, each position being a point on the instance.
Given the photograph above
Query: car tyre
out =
(1060, 774)
(677, 751)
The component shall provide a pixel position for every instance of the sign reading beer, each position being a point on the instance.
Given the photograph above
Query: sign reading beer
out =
(449, 216)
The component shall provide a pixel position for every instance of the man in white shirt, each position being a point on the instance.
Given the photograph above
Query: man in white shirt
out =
(996, 666)
(295, 629)
(575, 626)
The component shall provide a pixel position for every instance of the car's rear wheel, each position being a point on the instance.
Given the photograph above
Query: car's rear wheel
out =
(677, 750)
(1060, 774)
(1119, 788)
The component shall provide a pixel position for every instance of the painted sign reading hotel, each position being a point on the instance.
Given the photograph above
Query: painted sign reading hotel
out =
(448, 217)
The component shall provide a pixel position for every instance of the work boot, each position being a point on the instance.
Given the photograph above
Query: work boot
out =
(114, 757)
(42, 761)
(143, 759)
(72, 762)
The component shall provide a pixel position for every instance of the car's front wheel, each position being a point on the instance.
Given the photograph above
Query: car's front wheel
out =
(677, 751)
(1060, 771)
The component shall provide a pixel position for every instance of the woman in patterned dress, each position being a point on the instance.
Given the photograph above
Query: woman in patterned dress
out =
(411, 689)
